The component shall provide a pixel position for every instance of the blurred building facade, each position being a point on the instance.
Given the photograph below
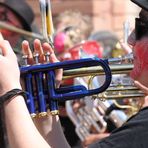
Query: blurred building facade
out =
(106, 14)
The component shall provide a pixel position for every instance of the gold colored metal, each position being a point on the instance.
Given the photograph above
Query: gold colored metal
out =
(42, 114)
(55, 112)
(97, 70)
(33, 115)
(120, 93)
(132, 107)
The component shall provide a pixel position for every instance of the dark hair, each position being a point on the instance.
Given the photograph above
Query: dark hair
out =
(141, 25)
(144, 15)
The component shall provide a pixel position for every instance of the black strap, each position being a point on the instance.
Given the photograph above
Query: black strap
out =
(10, 94)
(6, 97)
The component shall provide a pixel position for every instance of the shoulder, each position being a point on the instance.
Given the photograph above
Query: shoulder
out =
(131, 134)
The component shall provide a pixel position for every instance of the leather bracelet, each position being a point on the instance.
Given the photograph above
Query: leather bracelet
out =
(11, 94)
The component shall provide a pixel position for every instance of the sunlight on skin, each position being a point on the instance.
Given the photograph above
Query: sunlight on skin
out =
(140, 52)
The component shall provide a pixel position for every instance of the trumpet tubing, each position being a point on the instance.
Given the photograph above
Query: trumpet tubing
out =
(97, 70)
(44, 93)
(43, 77)
(116, 93)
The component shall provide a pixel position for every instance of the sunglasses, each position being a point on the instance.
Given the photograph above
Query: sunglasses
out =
(5, 16)
(141, 28)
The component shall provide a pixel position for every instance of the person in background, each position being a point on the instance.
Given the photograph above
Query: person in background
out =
(17, 118)
(19, 14)
(71, 42)
(68, 34)
(132, 134)
(68, 19)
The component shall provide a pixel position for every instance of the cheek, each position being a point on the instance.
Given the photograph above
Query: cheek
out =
(140, 62)
(135, 73)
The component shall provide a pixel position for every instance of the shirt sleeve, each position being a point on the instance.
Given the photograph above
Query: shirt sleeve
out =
(132, 134)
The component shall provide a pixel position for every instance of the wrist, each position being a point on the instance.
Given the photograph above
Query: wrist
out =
(11, 94)
(7, 88)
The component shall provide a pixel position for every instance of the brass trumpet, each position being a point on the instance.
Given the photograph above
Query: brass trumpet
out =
(72, 69)
(92, 116)
(94, 71)
(120, 92)
(105, 107)
(121, 65)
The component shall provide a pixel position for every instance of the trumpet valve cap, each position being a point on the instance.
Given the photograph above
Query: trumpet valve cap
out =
(47, 55)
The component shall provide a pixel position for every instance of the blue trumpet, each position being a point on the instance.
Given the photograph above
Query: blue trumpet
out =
(40, 84)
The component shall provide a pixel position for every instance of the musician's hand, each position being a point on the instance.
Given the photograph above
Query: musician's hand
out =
(145, 91)
(48, 126)
(42, 49)
(9, 71)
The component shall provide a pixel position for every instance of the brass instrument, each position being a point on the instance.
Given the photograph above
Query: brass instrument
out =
(91, 116)
(120, 92)
(105, 105)
(121, 65)
(45, 92)
(20, 31)
(40, 72)
(133, 97)
(72, 69)
(85, 119)
(93, 71)
(45, 29)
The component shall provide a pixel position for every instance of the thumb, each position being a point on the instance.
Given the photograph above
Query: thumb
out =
(6, 49)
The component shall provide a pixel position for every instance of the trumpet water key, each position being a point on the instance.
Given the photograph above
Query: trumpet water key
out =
(40, 83)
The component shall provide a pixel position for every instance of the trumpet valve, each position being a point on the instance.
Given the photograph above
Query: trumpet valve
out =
(25, 60)
(102, 96)
(47, 55)
(36, 58)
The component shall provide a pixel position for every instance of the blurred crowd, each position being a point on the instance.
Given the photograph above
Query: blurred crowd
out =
(74, 38)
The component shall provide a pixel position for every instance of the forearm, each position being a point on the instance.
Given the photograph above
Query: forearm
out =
(50, 128)
(21, 131)
(94, 137)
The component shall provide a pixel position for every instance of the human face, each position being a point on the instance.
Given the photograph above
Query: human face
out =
(140, 52)
(141, 28)
(9, 17)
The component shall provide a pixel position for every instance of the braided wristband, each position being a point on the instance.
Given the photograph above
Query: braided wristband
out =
(11, 94)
